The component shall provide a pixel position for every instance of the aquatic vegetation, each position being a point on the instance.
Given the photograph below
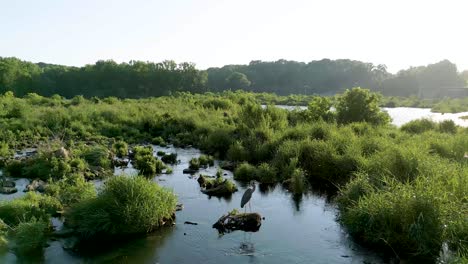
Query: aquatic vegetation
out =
(146, 163)
(71, 189)
(31, 235)
(419, 126)
(245, 172)
(125, 206)
(160, 153)
(25, 208)
(120, 148)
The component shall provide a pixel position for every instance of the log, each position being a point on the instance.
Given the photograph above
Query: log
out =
(248, 222)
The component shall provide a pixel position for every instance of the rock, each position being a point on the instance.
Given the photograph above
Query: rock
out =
(190, 223)
(62, 153)
(70, 243)
(121, 162)
(179, 207)
(7, 183)
(8, 190)
(36, 185)
(249, 222)
(189, 171)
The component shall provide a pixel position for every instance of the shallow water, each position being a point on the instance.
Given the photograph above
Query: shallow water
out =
(293, 231)
(403, 115)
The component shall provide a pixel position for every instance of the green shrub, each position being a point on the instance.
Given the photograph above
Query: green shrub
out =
(71, 189)
(158, 141)
(360, 105)
(266, 173)
(194, 164)
(237, 152)
(419, 126)
(120, 148)
(245, 172)
(298, 182)
(25, 208)
(31, 236)
(398, 219)
(206, 160)
(160, 153)
(447, 126)
(354, 190)
(78, 164)
(125, 206)
(97, 156)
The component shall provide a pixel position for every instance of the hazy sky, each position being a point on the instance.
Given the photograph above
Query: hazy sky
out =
(398, 33)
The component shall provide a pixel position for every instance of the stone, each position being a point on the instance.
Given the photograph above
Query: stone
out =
(248, 222)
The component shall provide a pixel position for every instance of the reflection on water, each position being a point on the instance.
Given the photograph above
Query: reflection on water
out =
(296, 229)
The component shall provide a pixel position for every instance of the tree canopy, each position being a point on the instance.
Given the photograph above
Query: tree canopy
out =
(137, 79)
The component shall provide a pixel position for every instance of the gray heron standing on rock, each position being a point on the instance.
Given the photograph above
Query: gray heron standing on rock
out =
(247, 195)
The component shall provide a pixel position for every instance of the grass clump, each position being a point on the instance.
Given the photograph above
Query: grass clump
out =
(245, 172)
(160, 153)
(71, 189)
(206, 160)
(31, 236)
(125, 206)
(25, 208)
(146, 163)
(158, 141)
(419, 126)
(120, 148)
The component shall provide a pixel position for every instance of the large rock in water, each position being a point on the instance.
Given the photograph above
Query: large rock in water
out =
(36, 185)
(8, 190)
(249, 222)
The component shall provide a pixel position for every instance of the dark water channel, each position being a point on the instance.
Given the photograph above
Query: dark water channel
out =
(293, 231)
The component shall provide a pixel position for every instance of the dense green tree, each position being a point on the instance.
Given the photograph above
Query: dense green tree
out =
(360, 105)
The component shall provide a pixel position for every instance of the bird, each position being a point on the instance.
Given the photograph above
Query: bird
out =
(246, 196)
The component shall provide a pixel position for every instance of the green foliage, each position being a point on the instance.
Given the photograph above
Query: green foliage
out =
(71, 189)
(266, 173)
(25, 208)
(120, 148)
(206, 160)
(125, 206)
(31, 236)
(320, 109)
(158, 141)
(419, 126)
(360, 105)
(194, 164)
(245, 172)
(160, 153)
(146, 163)
(97, 156)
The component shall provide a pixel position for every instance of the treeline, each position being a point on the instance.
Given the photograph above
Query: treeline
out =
(138, 79)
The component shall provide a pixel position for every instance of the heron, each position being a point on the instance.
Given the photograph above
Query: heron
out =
(247, 195)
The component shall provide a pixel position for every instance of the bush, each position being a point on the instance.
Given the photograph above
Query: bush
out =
(98, 156)
(407, 222)
(160, 153)
(31, 236)
(120, 148)
(125, 206)
(146, 163)
(447, 126)
(78, 165)
(206, 160)
(194, 164)
(266, 173)
(360, 105)
(71, 189)
(25, 208)
(298, 182)
(419, 126)
(245, 172)
(158, 141)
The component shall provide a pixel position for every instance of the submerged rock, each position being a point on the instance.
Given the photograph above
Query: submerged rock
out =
(36, 185)
(179, 207)
(189, 171)
(8, 190)
(249, 222)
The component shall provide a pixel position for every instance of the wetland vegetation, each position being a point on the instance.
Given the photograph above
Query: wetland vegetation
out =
(403, 191)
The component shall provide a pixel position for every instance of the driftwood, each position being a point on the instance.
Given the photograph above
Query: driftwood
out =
(249, 222)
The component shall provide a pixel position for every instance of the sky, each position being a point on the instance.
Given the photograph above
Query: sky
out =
(213, 33)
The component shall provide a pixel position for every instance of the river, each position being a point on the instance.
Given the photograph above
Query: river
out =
(293, 231)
